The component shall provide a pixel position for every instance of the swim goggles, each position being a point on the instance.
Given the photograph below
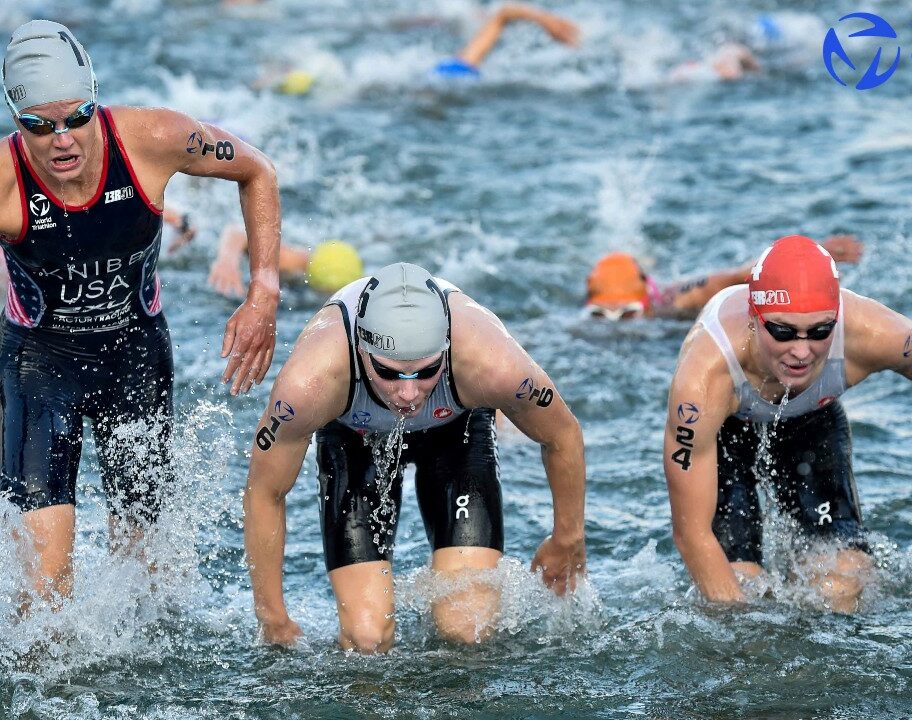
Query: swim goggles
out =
(787, 333)
(38, 125)
(388, 373)
(628, 311)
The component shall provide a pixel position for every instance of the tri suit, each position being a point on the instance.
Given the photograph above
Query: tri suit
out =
(802, 449)
(454, 450)
(83, 334)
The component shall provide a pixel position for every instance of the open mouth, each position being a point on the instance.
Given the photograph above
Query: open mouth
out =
(65, 162)
(797, 369)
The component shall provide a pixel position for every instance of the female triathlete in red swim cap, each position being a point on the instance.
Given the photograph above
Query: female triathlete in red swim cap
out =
(775, 352)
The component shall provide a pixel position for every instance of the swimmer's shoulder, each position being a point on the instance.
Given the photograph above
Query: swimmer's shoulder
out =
(318, 370)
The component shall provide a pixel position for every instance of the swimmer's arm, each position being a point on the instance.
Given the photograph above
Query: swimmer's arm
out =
(171, 142)
(477, 49)
(686, 299)
(314, 385)
(877, 338)
(498, 373)
(691, 471)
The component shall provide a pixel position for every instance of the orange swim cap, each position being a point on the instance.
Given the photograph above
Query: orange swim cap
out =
(617, 279)
(794, 274)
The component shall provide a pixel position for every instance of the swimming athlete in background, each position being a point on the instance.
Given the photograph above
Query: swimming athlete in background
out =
(466, 63)
(327, 268)
(766, 362)
(83, 334)
(395, 369)
(619, 289)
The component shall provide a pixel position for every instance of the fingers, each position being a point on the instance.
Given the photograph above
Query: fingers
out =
(249, 363)
(227, 344)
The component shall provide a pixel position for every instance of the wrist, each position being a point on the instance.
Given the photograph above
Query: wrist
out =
(272, 616)
(264, 287)
(568, 536)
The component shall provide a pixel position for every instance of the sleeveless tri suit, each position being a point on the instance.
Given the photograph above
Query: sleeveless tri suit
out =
(809, 462)
(454, 451)
(83, 335)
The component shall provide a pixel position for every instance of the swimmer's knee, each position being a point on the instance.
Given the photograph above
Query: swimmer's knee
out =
(461, 630)
(367, 634)
(467, 617)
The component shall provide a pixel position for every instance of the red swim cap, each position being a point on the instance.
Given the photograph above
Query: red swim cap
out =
(617, 279)
(794, 274)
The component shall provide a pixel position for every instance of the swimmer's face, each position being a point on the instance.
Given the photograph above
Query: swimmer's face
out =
(407, 396)
(798, 362)
(618, 311)
(61, 155)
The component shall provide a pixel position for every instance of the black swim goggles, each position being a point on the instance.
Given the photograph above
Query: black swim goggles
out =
(388, 373)
(38, 125)
(787, 333)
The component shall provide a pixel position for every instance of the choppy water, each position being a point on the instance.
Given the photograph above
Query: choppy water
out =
(511, 189)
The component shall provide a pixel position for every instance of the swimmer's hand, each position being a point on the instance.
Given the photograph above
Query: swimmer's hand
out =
(844, 248)
(225, 277)
(250, 339)
(561, 30)
(181, 223)
(285, 632)
(560, 562)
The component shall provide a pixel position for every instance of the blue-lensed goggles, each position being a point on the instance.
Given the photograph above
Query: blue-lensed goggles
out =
(388, 373)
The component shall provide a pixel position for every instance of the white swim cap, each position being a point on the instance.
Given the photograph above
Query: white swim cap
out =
(45, 63)
(402, 314)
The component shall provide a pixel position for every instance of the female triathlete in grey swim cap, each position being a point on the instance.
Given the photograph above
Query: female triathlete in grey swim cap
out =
(45, 63)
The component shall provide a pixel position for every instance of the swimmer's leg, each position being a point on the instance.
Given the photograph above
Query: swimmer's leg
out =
(364, 599)
(52, 533)
(458, 485)
(41, 446)
(737, 523)
(358, 520)
(466, 615)
(132, 416)
(823, 499)
(840, 584)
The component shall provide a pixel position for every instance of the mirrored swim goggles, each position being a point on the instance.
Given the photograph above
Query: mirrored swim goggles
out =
(388, 373)
(787, 333)
(38, 125)
(627, 311)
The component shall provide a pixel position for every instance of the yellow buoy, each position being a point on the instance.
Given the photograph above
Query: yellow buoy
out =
(296, 82)
(333, 264)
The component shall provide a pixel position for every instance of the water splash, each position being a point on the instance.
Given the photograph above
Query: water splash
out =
(119, 608)
(386, 449)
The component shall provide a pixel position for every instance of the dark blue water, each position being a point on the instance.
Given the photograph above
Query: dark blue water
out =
(511, 189)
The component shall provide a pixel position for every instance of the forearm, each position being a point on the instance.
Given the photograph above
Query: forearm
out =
(264, 541)
(709, 567)
(518, 11)
(565, 467)
(261, 208)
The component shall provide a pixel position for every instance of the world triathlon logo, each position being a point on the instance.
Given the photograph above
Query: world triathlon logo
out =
(873, 26)
(39, 205)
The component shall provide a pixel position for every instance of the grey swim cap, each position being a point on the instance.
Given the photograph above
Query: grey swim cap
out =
(402, 314)
(45, 63)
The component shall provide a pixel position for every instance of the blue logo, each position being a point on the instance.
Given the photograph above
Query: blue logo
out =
(688, 413)
(283, 411)
(525, 387)
(361, 418)
(879, 28)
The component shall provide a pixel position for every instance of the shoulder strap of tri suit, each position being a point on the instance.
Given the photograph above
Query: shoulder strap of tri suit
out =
(19, 165)
(353, 375)
(709, 319)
